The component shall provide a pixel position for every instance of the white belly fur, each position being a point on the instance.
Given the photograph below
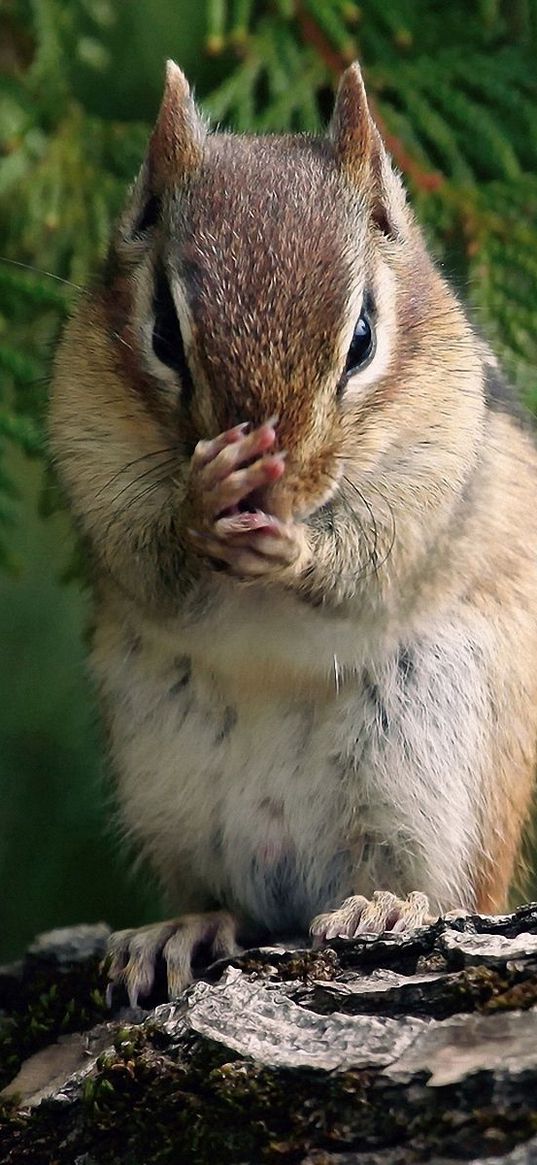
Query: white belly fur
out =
(261, 770)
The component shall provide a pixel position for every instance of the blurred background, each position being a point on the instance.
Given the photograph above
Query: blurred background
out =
(453, 87)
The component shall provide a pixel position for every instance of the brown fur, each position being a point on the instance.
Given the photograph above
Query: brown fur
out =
(414, 502)
(177, 139)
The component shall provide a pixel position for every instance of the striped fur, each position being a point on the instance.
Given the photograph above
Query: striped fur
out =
(366, 716)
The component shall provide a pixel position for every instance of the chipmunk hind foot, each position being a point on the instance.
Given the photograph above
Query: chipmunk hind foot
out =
(133, 955)
(383, 912)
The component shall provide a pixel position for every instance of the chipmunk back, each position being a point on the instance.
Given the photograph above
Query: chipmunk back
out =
(313, 531)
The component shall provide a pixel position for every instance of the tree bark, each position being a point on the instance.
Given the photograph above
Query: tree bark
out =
(381, 1050)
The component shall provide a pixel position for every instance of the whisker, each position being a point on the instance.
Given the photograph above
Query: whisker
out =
(153, 485)
(96, 509)
(118, 516)
(144, 493)
(389, 508)
(377, 564)
(40, 271)
(336, 674)
(59, 279)
(369, 508)
(136, 461)
(135, 481)
(122, 340)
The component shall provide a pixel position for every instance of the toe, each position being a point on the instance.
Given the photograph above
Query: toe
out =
(132, 958)
(413, 912)
(215, 931)
(383, 913)
(178, 955)
(379, 914)
(207, 451)
(224, 944)
(340, 923)
(144, 949)
(133, 954)
(116, 960)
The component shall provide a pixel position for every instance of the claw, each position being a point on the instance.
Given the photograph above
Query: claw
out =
(383, 913)
(134, 954)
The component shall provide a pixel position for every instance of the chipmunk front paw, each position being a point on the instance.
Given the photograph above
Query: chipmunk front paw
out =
(383, 912)
(227, 477)
(133, 954)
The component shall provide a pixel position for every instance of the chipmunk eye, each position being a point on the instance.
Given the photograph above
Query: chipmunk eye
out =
(362, 345)
(149, 215)
(167, 340)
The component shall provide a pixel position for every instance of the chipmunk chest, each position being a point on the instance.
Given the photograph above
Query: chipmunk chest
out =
(241, 785)
(282, 822)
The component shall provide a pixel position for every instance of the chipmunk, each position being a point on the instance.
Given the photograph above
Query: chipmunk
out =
(313, 526)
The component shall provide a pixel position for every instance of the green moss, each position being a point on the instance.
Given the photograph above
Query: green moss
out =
(200, 1104)
(144, 1103)
(302, 965)
(483, 989)
(44, 1010)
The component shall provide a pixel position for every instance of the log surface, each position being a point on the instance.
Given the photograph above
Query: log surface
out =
(381, 1050)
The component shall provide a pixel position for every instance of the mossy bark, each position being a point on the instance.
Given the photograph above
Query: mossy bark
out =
(395, 1050)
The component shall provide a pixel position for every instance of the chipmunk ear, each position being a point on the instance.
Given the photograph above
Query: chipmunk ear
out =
(352, 126)
(176, 143)
(175, 149)
(361, 153)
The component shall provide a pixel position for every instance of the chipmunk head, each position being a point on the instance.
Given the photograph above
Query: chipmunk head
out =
(258, 276)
